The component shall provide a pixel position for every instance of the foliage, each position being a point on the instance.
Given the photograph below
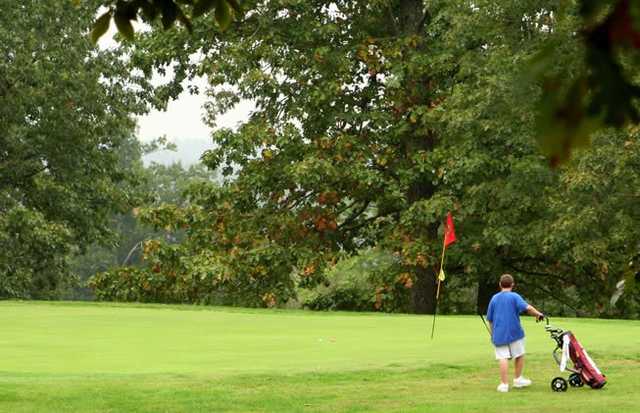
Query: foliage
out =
(600, 92)
(415, 110)
(353, 145)
(66, 112)
(206, 267)
(575, 103)
(169, 184)
(124, 12)
(590, 239)
(160, 184)
(34, 254)
(354, 284)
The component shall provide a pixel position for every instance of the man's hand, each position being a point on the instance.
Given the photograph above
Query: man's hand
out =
(539, 317)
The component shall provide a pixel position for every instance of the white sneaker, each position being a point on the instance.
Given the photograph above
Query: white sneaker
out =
(503, 387)
(521, 382)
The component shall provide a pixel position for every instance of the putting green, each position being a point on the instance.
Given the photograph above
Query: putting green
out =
(121, 339)
(119, 357)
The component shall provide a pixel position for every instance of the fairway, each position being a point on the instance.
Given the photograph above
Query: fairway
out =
(108, 357)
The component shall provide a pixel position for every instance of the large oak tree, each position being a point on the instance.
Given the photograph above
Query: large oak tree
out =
(372, 120)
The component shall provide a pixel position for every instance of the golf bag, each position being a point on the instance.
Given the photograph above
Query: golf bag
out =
(584, 368)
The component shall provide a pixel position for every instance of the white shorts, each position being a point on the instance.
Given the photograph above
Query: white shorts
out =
(511, 350)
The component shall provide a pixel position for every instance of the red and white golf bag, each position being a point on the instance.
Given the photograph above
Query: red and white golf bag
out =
(583, 364)
(584, 369)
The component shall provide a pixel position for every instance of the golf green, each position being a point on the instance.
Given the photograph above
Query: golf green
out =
(118, 357)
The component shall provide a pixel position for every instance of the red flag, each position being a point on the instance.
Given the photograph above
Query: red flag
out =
(449, 231)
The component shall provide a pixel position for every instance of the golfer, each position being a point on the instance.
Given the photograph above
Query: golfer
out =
(506, 332)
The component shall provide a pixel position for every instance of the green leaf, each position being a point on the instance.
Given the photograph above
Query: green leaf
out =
(223, 14)
(185, 21)
(562, 124)
(235, 5)
(202, 7)
(100, 27)
(124, 26)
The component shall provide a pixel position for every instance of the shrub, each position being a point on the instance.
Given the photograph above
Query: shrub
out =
(352, 284)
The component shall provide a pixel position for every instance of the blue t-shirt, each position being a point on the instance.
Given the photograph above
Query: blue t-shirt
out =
(504, 315)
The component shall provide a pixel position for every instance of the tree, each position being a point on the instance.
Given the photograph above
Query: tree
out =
(160, 185)
(347, 147)
(410, 113)
(66, 112)
(574, 104)
(589, 243)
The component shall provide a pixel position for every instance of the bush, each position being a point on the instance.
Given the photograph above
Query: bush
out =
(351, 285)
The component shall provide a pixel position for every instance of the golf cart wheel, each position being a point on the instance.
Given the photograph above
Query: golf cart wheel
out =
(575, 380)
(559, 384)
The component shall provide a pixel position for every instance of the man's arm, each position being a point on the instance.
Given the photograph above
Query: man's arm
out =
(531, 310)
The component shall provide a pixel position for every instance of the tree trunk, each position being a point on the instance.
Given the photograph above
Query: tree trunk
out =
(486, 289)
(411, 17)
(424, 292)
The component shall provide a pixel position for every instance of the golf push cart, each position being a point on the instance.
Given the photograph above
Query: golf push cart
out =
(584, 369)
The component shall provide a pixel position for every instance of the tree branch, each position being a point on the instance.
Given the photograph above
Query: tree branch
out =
(355, 215)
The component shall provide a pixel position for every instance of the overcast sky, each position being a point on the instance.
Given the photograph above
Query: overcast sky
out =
(182, 122)
(183, 119)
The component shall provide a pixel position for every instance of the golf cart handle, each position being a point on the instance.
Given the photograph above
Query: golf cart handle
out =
(551, 329)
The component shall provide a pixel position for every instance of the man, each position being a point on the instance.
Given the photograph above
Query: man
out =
(507, 334)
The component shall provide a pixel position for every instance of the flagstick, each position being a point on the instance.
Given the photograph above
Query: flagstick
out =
(433, 325)
(435, 307)
(444, 248)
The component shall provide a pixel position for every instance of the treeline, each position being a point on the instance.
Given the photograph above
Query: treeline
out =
(372, 121)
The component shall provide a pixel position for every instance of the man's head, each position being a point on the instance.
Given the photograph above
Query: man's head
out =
(506, 281)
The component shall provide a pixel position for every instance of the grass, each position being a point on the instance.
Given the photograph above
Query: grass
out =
(71, 357)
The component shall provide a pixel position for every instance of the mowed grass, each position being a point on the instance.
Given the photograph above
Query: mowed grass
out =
(77, 357)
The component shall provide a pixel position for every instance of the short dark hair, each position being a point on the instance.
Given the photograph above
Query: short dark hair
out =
(506, 281)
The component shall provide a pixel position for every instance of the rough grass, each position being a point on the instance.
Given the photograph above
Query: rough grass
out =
(69, 357)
